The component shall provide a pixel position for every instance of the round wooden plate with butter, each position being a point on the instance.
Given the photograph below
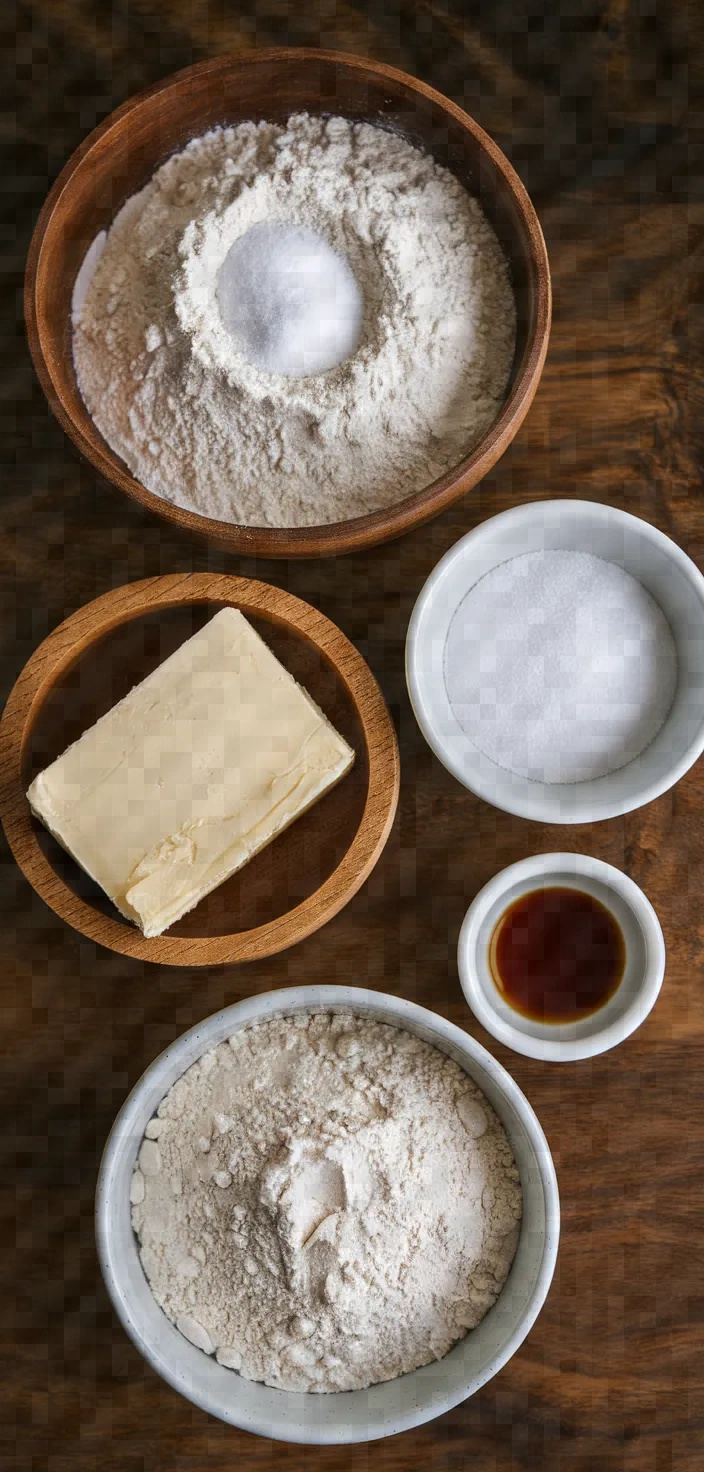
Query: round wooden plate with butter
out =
(297, 881)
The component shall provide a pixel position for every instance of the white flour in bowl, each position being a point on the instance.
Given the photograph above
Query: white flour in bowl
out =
(199, 424)
(325, 1202)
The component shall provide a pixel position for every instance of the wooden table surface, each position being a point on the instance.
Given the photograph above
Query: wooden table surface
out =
(590, 101)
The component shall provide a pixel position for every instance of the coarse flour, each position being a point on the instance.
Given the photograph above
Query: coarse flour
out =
(199, 424)
(325, 1202)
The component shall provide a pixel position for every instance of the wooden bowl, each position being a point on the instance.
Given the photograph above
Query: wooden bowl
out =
(301, 879)
(121, 155)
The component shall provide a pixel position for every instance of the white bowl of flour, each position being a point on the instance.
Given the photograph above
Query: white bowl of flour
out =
(349, 1415)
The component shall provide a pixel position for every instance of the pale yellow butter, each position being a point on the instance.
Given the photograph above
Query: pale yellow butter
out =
(183, 781)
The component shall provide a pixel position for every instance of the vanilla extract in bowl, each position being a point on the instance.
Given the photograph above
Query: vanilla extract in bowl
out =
(557, 955)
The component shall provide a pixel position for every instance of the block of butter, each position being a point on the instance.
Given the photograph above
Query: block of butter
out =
(183, 781)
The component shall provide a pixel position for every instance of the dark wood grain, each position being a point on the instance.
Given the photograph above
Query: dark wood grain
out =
(596, 106)
(120, 157)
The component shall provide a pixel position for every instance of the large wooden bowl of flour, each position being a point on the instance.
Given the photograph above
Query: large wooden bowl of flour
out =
(121, 156)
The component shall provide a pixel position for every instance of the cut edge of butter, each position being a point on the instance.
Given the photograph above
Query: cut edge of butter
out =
(180, 868)
(135, 903)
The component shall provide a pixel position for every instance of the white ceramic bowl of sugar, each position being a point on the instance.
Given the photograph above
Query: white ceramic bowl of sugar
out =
(663, 569)
(361, 1415)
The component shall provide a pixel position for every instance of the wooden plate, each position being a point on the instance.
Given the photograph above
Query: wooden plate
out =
(301, 879)
(121, 155)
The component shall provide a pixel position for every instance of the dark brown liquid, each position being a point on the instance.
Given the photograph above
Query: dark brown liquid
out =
(557, 955)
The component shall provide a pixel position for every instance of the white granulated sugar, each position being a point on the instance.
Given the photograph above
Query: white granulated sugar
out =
(289, 300)
(200, 424)
(559, 666)
(325, 1202)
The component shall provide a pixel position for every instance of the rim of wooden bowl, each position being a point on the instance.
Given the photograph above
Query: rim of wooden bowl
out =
(63, 648)
(333, 538)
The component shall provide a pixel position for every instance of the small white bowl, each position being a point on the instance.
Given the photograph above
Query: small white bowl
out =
(634, 997)
(581, 526)
(360, 1415)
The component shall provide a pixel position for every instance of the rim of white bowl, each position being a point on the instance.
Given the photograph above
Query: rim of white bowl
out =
(129, 1126)
(530, 804)
(546, 1046)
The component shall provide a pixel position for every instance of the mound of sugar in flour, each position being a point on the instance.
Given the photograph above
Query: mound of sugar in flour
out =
(206, 422)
